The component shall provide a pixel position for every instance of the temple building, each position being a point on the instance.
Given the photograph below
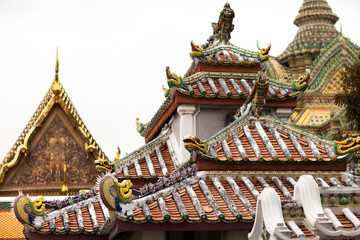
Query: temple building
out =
(54, 155)
(224, 157)
(320, 47)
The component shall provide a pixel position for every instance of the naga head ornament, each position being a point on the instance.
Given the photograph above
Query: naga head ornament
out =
(301, 83)
(139, 126)
(173, 79)
(264, 52)
(196, 50)
(113, 193)
(191, 142)
(25, 209)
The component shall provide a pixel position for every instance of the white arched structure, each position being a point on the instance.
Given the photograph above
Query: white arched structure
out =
(269, 212)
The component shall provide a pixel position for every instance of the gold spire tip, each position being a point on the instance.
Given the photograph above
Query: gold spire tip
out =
(56, 83)
(57, 60)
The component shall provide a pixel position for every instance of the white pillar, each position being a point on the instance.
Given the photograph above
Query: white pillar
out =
(284, 113)
(187, 127)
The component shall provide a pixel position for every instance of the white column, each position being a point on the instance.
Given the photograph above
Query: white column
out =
(187, 127)
(284, 113)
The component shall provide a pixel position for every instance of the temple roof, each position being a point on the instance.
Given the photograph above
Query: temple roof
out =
(325, 82)
(225, 54)
(263, 139)
(211, 197)
(278, 72)
(89, 216)
(316, 29)
(55, 95)
(219, 85)
(231, 85)
(155, 159)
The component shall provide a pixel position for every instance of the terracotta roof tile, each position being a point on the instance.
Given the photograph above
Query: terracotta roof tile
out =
(173, 210)
(99, 214)
(153, 160)
(144, 168)
(225, 210)
(282, 197)
(284, 143)
(204, 203)
(139, 214)
(87, 220)
(167, 158)
(156, 164)
(189, 206)
(74, 227)
(348, 226)
(245, 213)
(307, 233)
(220, 92)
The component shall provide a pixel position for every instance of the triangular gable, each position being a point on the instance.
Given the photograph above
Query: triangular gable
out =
(55, 141)
(325, 68)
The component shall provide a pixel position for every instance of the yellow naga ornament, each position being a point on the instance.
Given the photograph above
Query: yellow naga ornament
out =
(112, 193)
(347, 146)
(25, 209)
(195, 143)
(264, 52)
(173, 79)
(301, 83)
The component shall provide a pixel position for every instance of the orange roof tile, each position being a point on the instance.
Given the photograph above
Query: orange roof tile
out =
(10, 227)
(264, 139)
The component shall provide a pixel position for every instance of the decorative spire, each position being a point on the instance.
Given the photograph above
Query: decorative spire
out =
(315, 11)
(223, 28)
(258, 93)
(316, 29)
(56, 88)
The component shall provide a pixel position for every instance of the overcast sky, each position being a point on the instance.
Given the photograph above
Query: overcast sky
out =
(113, 54)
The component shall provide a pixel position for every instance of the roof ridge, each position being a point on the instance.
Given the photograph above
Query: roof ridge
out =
(162, 137)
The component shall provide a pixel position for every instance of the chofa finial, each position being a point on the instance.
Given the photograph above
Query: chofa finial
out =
(56, 88)
(57, 61)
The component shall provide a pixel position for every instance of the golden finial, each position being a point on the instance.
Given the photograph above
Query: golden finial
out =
(56, 83)
(117, 157)
(64, 189)
(57, 61)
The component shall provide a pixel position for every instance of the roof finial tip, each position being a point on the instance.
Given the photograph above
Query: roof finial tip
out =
(56, 88)
(57, 61)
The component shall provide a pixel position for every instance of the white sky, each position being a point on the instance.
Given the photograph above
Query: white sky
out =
(113, 54)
